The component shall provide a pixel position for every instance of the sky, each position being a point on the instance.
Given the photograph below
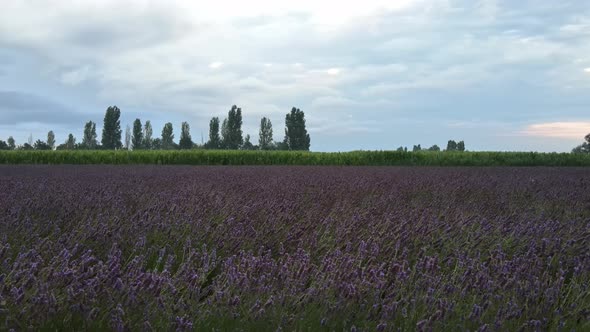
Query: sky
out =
(501, 75)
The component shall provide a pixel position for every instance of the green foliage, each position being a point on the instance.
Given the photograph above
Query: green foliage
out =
(296, 136)
(50, 140)
(167, 137)
(137, 138)
(214, 137)
(148, 132)
(111, 131)
(40, 145)
(3, 145)
(584, 147)
(247, 144)
(89, 141)
(11, 143)
(434, 148)
(186, 141)
(242, 157)
(265, 134)
(452, 145)
(461, 146)
(417, 148)
(231, 129)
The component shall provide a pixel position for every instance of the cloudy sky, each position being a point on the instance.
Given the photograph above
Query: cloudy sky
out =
(371, 74)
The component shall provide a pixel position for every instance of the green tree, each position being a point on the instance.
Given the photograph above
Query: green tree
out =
(434, 148)
(461, 146)
(111, 131)
(296, 136)
(186, 142)
(148, 132)
(3, 145)
(214, 137)
(247, 144)
(452, 145)
(51, 140)
(11, 143)
(232, 129)
(417, 148)
(40, 145)
(137, 137)
(584, 147)
(265, 134)
(127, 145)
(89, 140)
(167, 137)
(71, 142)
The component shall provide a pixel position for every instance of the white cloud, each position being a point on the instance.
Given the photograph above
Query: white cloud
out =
(565, 130)
(587, 70)
(333, 71)
(215, 65)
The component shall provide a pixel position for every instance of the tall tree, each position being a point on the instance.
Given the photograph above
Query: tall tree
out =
(232, 129)
(451, 145)
(225, 134)
(434, 148)
(111, 131)
(11, 143)
(71, 142)
(127, 137)
(3, 145)
(51, 140)
(137, 138)
(296, 136)
(214, 138)
(167, 136)
(461, 146)
(265, 134)
(147, 135)
(186, 142)
(89, 140)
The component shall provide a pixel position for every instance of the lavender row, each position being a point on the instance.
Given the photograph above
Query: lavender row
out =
(294, 248)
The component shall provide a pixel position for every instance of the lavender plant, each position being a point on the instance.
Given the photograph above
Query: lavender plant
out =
(294, 248)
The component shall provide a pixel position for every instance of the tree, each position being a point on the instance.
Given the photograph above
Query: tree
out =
(157, 144)
(147, 135)
(127, 137)
(247, 144)
(71, 142)
(26, 147)
(434, 148)
(461, 146)
(111, 131)
(214, 138)
(11, 143)
(3, 145)
(137, 138)
(402, 149)
(89, 140)
(452, 145)
(265, 134)
(167, 137)
(51, 140)
(225, 135)
(584, 147)
(417, 148)
(296, 136)
(40, 145)
(186, 142)
(232, 129)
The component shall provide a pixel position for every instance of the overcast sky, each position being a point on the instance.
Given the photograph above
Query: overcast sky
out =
(371, 74)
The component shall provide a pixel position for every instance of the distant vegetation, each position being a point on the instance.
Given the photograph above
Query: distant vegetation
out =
(359, 158)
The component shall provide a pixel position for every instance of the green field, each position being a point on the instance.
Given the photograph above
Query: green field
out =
(357, 158)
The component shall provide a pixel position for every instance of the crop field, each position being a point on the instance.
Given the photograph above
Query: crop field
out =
(256, 248)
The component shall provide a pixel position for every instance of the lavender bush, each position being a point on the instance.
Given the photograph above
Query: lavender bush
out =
(294, 248)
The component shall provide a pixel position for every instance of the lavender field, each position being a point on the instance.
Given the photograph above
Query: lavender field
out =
(294, 248)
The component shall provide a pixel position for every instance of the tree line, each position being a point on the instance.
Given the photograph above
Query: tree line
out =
(584, 147)
(451, 146)
(226, 135)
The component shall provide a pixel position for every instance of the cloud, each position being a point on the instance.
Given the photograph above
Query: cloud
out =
(20, 107)
(563, 130)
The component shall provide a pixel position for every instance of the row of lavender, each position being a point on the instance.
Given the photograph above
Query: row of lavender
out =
(294, 248)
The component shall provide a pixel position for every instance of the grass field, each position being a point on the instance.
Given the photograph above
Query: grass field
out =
(357, 158)
(259, 248)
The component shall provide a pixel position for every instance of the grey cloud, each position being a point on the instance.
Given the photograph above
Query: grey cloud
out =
(19, 107)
